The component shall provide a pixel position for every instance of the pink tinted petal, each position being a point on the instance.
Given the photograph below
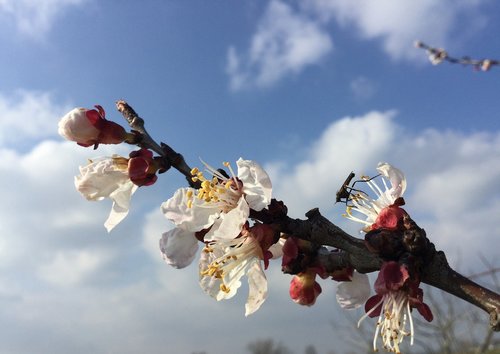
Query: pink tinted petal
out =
(178, 247)
(345, 274)
(392, 276)
(137, 168)
(389, 218)
(100, 110)
(111, 133)
(304, 289)
(290, 251)
(371, 303)
(93, 116)
(425, 311)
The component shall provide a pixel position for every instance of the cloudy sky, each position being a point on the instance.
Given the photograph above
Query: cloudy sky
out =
(310, 89)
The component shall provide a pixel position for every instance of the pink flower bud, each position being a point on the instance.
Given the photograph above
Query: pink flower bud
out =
(142, 168)
(304, 289)
(89, 127)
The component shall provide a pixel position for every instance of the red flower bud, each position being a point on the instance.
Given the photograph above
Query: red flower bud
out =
(141, 168)
(304, 289)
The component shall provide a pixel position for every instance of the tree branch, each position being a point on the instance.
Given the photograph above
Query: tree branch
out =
(438, 55)
(354, 252)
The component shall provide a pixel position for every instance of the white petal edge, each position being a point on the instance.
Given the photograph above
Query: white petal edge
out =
(178, 247)
(257, 185)
(396, 177)
(353, 294)
(257, 288)
(193, 219)
(121, 203)
(229, 225)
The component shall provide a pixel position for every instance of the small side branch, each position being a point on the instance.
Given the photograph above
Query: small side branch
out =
(321, 231)
(439, 274)
(171, 158)
(438, 55)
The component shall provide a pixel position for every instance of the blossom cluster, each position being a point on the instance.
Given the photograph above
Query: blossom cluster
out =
(217, 213)
(397, 285)
(113, 177)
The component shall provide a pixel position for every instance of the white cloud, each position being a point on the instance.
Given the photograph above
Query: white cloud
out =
(352, 143)
(285, 43)
(29, 115)
(71, 267)
(155, 225)
(453, 189)
(288, 40)
(34, 18)
(399, 23)
(362, 88)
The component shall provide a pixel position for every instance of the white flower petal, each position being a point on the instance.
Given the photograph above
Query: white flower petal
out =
(212, 285)
(107, 177)
(121, 203)
(277, 248)
(257, 185)
(178, 247)
(257, 288)
(229, 225)
(101, 177)
(396, 177)
(75, 126)
(353, 294)
(195, 218)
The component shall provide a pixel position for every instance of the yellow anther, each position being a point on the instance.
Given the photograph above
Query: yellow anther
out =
(194, 179)
(195, 171)
(224, 288)
(215, 180)
(226, 164)
(201, 194)
(190, 203)
(228, 184)
(205, 185)
(189, 193)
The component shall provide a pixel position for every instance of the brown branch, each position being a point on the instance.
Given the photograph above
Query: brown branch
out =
(170, 157)
(439, 274)
(433, 266)
(435, 270)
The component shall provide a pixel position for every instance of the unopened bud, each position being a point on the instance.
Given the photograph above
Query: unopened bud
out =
(304, 289)
(142, 168)
(89, 127)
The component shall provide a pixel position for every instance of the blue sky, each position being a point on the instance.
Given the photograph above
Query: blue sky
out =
(311, 90)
